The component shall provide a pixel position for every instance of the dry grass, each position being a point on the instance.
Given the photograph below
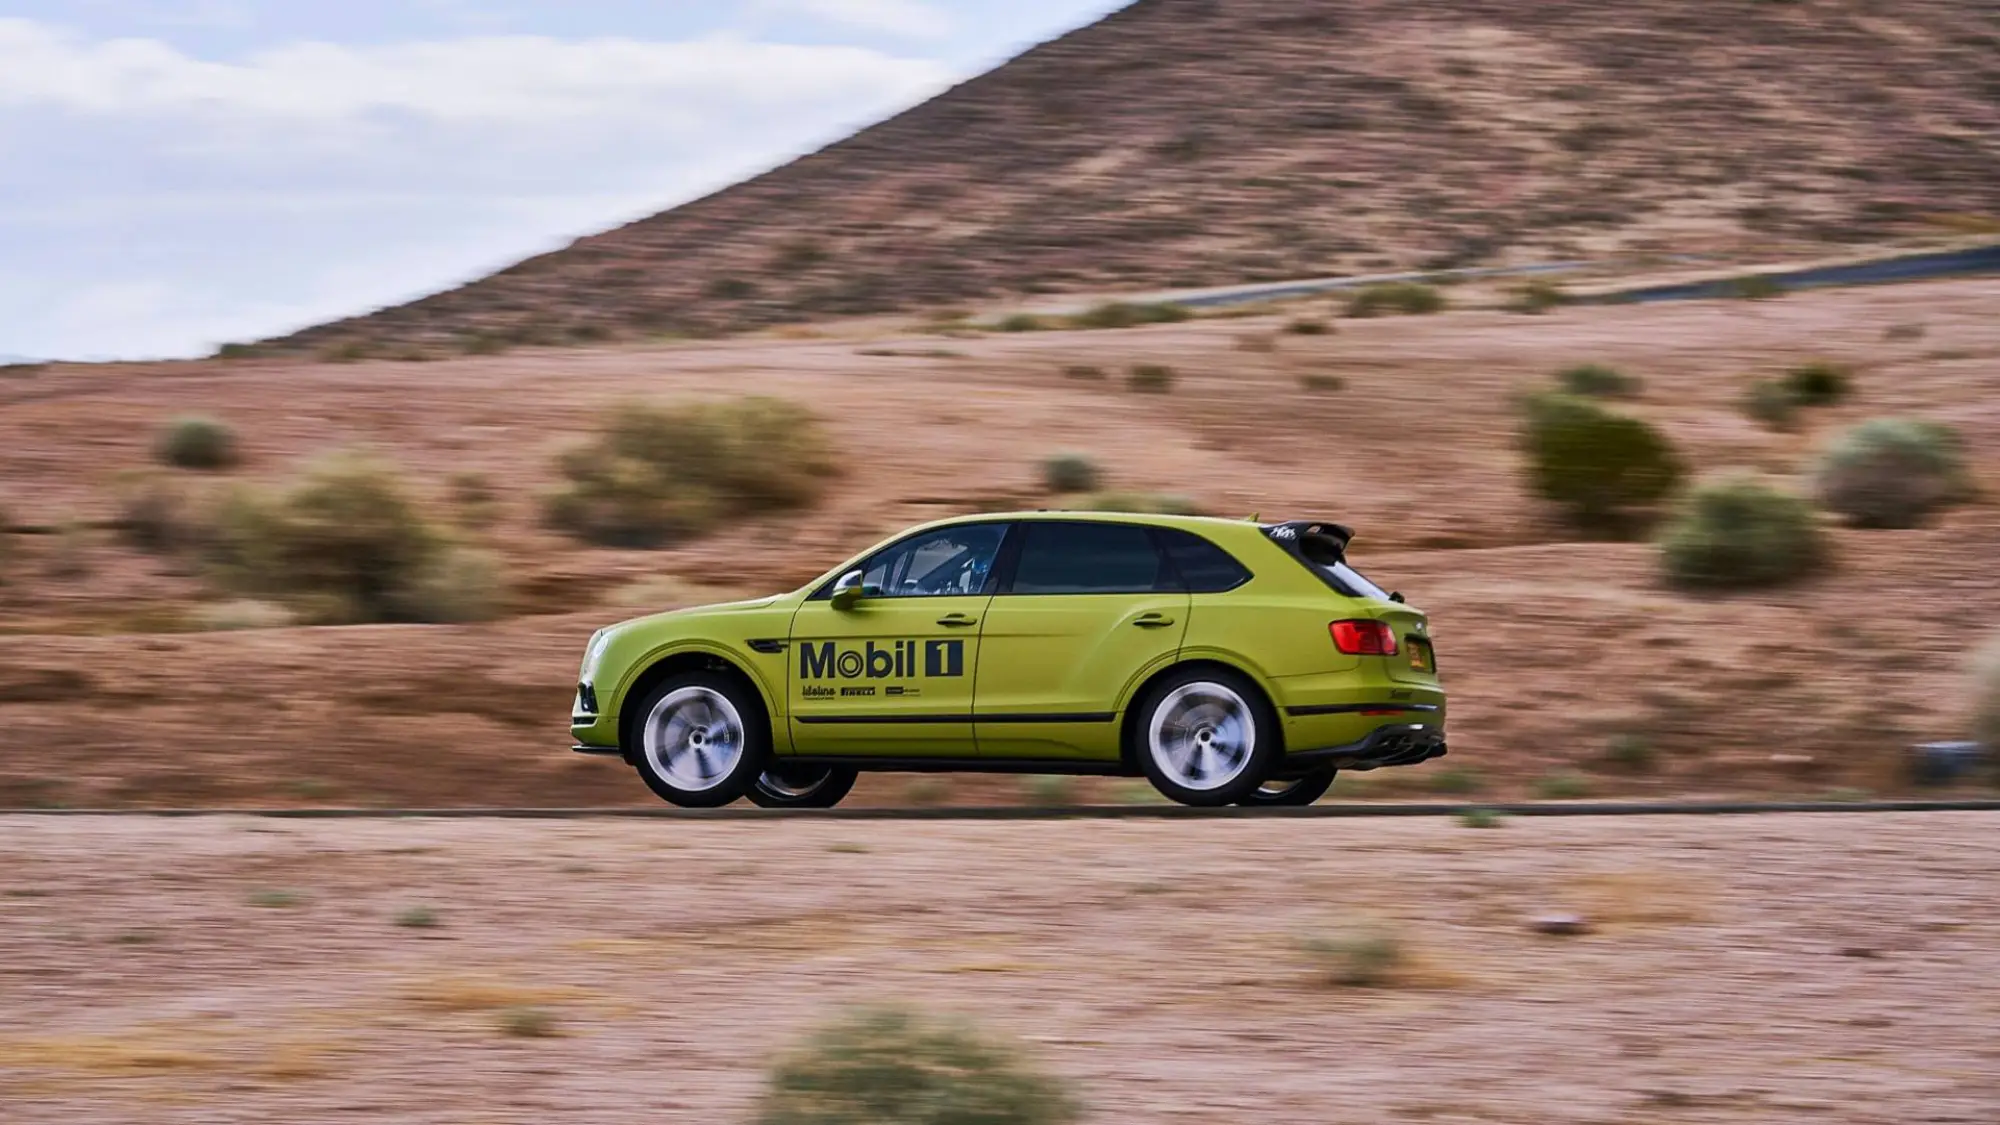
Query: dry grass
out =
(481, 994)
(1639, 898)
(148, 1051)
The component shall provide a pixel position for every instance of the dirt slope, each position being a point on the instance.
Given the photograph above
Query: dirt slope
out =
(1551, 648)
(1753, 970)
(1196, 142)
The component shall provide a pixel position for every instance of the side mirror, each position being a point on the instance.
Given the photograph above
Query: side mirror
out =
(848, 592)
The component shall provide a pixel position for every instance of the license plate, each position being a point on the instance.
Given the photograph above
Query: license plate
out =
(1420, 656)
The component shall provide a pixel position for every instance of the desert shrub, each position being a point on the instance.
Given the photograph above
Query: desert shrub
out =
(1409, 298)
(1119, 314)
(1606, 470)
(1986, 695)
(1537, 297)
(1892, 472)
(1595, 380)
(71, 554)
(893, 1067)
(1082, 371)
(799, 254)
(1139, 503)
(1310, 326)
(1632, 753)
(1050, 791)
(1070, 472)
(528, 1023)
(731, 289)
(1564, 786)
(1022, 322)
(1361, 959)
(346, 543)
(655, 474)
(1151, 378)
(197, 443)
(156, 514)
(1320, 381)
(1819, 383)
(1455, 781)
(238, 351)
(1482, 818)
(1904, 332)
(1755, 288)
(351, 351)
(1741, 533)
(484, 343)
(1771, 402)
(240, 614)
(474, 499)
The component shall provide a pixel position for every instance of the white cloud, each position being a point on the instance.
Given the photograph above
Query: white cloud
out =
(910, 19)
(521, 79)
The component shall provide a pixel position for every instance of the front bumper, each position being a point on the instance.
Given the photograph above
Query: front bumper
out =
(1398, 744)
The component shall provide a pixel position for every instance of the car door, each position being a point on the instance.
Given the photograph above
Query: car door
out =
(892, 674)
(1087, 610)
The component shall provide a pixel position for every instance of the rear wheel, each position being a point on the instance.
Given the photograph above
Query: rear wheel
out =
(1206, 737)
(700, 740)
(1290, 792)
(785, 786)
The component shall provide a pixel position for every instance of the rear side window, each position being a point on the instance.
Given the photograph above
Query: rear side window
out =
(1088, 558)
(1204, 567)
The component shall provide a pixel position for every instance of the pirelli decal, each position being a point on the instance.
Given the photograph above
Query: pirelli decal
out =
(896, 660)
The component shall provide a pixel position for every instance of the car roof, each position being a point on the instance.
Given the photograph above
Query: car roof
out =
(1190, 523)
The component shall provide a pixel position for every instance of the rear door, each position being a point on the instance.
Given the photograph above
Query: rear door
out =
(1088, 609)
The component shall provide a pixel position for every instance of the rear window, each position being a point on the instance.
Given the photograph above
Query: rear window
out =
(1204, 567)
(1326, 557)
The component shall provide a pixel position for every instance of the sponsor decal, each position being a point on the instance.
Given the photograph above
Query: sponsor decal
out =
(898, 660)
(854, 692)
(814, 692)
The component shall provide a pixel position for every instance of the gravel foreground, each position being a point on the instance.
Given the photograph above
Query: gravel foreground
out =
(1783, 968)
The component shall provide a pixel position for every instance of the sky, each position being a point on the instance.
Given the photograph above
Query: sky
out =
(177, 174)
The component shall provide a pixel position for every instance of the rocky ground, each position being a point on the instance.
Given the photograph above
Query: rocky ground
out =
(1826, 968)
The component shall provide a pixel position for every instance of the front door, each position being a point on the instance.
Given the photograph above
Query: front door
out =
(892, 675)
(1091, 609)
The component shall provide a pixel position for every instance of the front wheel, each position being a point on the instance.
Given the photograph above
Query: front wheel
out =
(801, 787)
(1206, 737)
(700, 740)
(1293, 793)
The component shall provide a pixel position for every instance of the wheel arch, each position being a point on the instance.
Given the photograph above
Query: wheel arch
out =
(1128, 724)
(666, 665)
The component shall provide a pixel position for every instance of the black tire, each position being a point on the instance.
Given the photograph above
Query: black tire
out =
(1215, 724)
(783, 786)
(1278, 793)
(705, 770)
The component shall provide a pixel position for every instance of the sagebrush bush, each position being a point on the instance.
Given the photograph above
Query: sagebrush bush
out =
(1594, 380)
(1365, 958)
(1606, 470)
(1151, 378)
(197, 443)
(1070, 472)
(1321, 381)
(1819, 383)
(157, 514)
(893, 1067)
(1537, 297)
(1119, 314)
(1022, 322)
(346, 544)
(654, 474)
(1139, 503)
(1310, 326)
(1772, 403)
(1409, 298)
(1740, 533)
(1986, 695)
(1082, 371)
(1892, 472)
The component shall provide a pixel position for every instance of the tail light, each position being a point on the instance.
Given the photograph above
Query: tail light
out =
(1364, 638)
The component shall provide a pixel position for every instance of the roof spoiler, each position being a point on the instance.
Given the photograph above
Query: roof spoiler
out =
(1297, 534)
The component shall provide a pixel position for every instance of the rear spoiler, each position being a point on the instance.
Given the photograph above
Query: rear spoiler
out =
(1314, 540)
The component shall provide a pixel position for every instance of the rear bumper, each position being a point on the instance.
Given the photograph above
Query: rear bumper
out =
(1398, 744)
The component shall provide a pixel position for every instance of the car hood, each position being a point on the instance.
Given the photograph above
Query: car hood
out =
(699, 611)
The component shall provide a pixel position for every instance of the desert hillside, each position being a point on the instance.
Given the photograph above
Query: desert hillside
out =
(1197, 142)
(130, 676)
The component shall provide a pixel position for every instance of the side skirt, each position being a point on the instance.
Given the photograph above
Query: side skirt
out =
(868, 763)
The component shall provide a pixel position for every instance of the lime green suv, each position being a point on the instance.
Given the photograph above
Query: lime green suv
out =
(1228, 662)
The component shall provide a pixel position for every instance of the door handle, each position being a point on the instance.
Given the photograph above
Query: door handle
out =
(1153, 621)
(957, 621)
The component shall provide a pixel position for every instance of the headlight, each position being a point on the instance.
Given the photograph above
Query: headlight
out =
(599, 641)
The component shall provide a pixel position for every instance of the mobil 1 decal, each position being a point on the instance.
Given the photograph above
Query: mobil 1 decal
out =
(886, 660)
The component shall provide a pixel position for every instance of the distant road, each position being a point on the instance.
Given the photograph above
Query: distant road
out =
(1918, 266)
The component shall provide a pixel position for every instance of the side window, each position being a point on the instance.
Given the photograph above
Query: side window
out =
(1203, 566)
(949, 561)
(1089, 558)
